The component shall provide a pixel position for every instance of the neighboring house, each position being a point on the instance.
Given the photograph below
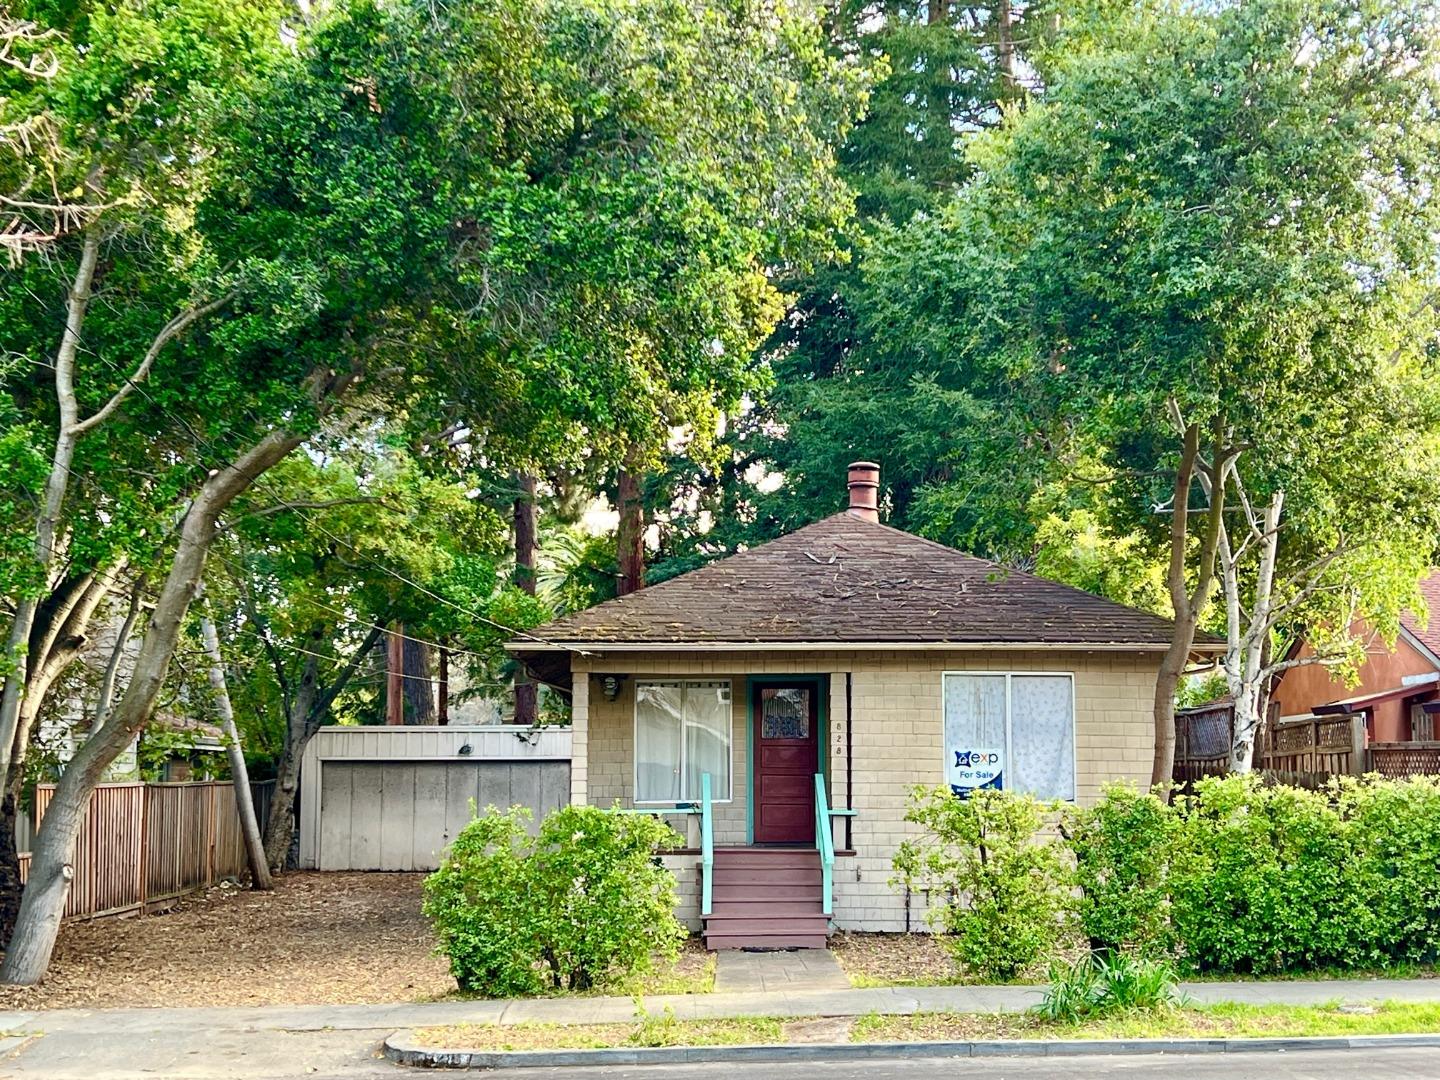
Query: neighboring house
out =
(181, 747)
(849, 661)
(1395, 685)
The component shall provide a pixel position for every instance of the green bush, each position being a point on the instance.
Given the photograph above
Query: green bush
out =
(1258, 882)
(583, 903)
(1101, 984)
(1243, 876)
(1004, 891)
(1394, 869)
(1123, 846)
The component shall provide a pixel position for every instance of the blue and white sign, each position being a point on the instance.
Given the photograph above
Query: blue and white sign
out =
(975, 767)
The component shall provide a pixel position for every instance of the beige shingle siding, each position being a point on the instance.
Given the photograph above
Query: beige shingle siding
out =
(897, 731)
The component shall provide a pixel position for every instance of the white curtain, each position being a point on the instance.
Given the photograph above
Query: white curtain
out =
(707, 738)
(658, 711)
(974, 722)
(1042, 736)
(682, 731)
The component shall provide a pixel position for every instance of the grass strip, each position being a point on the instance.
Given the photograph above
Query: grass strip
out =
(652, 1031)
(1195, 1021)
(1226, 1020)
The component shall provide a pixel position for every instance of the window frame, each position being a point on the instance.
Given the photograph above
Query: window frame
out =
(635, 743)
(1008, 675)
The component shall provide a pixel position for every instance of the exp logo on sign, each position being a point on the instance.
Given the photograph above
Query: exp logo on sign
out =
(975, 759)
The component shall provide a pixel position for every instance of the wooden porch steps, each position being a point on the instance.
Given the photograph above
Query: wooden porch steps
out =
(766, 898)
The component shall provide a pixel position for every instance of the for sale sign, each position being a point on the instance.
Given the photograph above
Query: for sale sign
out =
(970, 768)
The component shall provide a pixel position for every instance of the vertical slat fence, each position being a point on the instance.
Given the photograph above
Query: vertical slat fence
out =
(142, 844)
(1306, 753)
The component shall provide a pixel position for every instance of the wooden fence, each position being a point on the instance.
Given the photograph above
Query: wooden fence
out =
(1202, 743)
(1306, 753)
(1404, 759)
(142, 844)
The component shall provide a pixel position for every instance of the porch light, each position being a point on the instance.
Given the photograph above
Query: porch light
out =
(610, 686)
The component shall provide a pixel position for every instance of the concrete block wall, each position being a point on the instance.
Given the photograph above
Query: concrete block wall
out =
(897, 730)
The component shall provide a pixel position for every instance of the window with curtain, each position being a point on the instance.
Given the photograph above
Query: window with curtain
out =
(1013, 731)
(682, 732)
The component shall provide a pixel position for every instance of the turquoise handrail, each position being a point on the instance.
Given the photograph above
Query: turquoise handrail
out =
(825, 843)
(707, 845)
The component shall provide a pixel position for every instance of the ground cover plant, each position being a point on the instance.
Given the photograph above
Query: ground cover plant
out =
(1106, 984)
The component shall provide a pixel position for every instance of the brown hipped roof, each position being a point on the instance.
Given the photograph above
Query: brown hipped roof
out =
(845, 580)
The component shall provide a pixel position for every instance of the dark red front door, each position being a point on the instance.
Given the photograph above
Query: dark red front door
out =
(787, 757)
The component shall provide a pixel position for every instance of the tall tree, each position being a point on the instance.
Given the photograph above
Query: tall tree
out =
(818, 405)
(1207, 250)
(405, 176)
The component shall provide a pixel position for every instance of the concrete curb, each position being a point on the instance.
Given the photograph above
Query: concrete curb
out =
(403, 1049)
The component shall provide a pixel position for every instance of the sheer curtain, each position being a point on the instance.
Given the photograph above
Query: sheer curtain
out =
(707, 738)
(1042, 736)
(682, 731)
(974, 722)
(659, 708)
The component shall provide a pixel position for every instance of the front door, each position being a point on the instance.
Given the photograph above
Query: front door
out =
(787, 757)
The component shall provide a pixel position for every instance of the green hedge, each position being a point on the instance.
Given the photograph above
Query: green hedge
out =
(1240, 877)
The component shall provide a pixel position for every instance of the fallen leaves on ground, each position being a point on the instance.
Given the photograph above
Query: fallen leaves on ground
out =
(317, 939)
(893, 959)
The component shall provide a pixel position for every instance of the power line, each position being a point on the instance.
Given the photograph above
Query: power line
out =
(261, 482)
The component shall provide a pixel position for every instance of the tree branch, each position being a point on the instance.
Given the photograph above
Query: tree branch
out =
(142, 371)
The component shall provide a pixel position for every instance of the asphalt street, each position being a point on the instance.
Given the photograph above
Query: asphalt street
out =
(352, 1055)
(1319, 1065)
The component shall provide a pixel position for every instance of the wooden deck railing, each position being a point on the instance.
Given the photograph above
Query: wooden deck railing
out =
(144, 843)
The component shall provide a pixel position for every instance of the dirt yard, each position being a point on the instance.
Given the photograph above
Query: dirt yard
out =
(318, 939)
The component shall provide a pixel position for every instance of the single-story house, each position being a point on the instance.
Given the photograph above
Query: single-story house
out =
(1399, 688)
(818, 679)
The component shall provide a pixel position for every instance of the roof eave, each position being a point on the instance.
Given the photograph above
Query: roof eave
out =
(596, 647)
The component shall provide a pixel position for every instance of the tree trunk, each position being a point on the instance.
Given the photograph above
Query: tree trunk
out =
(59, 631)
(1246, 645)
(1005, 48)
(239, 774)
(419, 689)
(281, 827)
(1189, 604)
(526, 528)
(308, 711)
(106, 696)
(443, 690)
(630, 536)
(57, 484)
(395, 675)
(51, 871)
(11, 887)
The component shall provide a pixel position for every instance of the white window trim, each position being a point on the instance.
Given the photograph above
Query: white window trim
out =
(635, 744)
(1008, 675)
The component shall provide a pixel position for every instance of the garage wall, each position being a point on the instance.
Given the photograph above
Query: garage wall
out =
(392, 798)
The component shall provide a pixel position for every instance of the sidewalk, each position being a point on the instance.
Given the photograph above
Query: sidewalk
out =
(344, 1040)
(595, 1010)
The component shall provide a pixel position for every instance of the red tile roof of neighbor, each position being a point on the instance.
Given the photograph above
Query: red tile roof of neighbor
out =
(1430, 636)
(845, 580)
